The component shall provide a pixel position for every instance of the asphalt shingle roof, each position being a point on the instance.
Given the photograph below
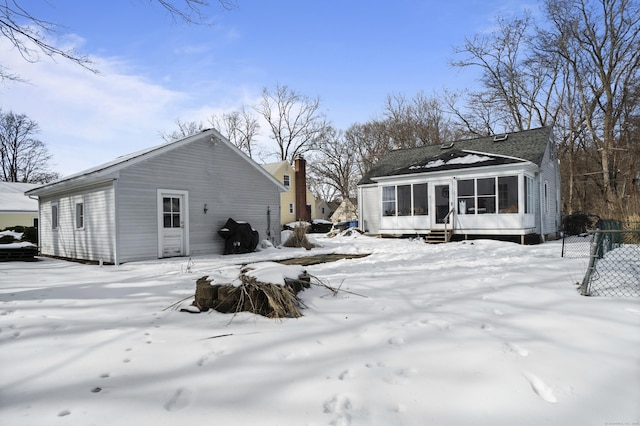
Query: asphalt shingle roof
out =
(528, 145)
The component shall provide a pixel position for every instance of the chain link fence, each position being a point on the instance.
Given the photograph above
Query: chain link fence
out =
(613, 250)
(614, 264)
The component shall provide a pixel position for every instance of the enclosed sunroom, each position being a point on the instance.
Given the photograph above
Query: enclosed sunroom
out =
(506, 185)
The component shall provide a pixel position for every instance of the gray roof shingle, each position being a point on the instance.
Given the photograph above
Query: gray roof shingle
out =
(528, 145)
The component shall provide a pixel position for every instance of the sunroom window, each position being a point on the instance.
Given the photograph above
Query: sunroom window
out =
(388, 201)
(488, 195)
(508, 194)
(405, 200)
(466, 196)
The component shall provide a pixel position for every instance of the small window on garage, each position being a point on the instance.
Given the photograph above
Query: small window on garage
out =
(54, 216)
(80, 215)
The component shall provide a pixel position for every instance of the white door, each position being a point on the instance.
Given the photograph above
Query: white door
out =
(172, 224)
(441, 204)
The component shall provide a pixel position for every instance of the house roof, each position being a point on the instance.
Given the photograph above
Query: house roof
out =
(525, 146)
(13, 199)
(273, 168)
(107, 171)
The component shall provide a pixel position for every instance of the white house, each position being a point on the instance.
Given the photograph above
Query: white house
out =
(15, 207)
(169, 200)
(504, 185)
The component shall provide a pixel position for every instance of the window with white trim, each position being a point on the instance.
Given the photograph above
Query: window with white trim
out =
(488, 195)
(80, 215)
(546, 197)
(286, 180)
(54, 216)
(291, 208)
(528, 195)
(405, 200)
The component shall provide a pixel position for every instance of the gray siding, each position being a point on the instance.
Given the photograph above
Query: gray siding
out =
(213, 174)
(369, 209)
(550, 174)
(95, 241)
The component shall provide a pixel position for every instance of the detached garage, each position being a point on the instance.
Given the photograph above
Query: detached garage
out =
(169, 200)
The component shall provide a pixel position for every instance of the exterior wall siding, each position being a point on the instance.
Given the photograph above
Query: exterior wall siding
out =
(214, 175)
(550, 174)
(369, 209)
(95, 241)
(17, 219)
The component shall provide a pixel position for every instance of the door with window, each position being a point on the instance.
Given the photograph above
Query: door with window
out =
(441, 204)
(172, 227)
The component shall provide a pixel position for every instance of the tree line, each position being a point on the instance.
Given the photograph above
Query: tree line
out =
(575, 68)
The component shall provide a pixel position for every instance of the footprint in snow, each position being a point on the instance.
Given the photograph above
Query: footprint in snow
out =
(204, 360)
(340, 406)
(517, 349)
(540, 387)
(64, 413)
(401, 377)
(347, 374)
(396, 341)
(440, 323)
(179, 400)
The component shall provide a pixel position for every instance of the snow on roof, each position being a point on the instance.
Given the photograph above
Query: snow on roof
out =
(12, 198)
(467, 159)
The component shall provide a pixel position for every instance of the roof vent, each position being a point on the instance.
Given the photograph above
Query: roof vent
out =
(446, 145)
(500, 138)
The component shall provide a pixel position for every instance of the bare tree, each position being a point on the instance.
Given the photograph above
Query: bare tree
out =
(295, 121)
(334, 163)
(518, 84)
(240, 127)
(22, 157)
(418, 121)
(185, 128)
(372, 142)
(29, 34)
(600, 42)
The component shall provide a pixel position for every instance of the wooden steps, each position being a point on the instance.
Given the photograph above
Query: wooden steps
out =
(438, 236)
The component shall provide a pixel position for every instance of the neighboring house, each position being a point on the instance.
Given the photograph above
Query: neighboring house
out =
(297, 203)
(323, 210)
(503, 185)
(16, 209)
(169, 200)
(346, 211)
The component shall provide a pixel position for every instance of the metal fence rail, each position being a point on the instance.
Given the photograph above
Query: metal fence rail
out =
(614, 264)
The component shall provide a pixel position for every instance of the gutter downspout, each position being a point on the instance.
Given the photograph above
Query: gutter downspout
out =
(37, 198)
(116, 240)
(541, 207)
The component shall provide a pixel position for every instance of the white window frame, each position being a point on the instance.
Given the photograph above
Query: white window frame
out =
(286, 180)
(545, 190)
(291, 210)
(79, 212)
(55, 216)
(529, 195)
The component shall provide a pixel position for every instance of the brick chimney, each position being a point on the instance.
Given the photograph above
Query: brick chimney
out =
(300, 167)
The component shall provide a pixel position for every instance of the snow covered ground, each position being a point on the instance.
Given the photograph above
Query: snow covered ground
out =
(473, 333)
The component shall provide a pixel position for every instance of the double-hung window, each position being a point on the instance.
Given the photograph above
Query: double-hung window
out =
(80, 215)
(54, 216)
(388, 201)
